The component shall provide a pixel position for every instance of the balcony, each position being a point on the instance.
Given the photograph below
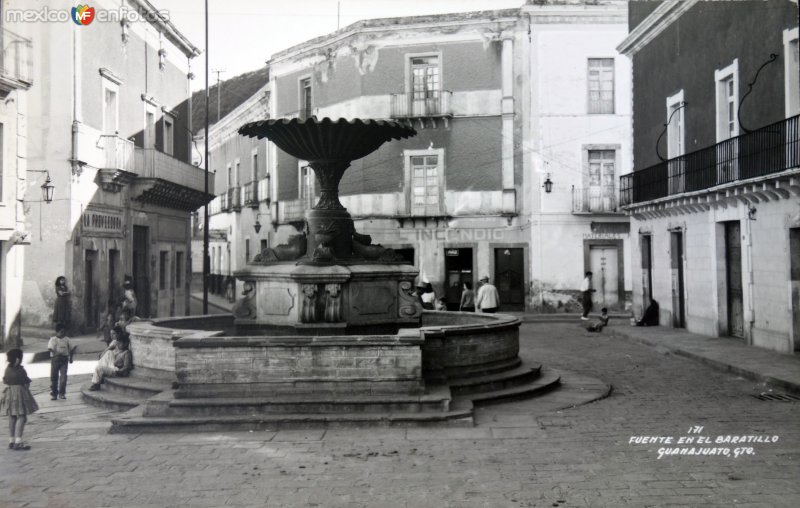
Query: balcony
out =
(762, 152)
(16, 65)
(251, 194)
(163, 180)
(234, 199)
(599, 199)
(435, 104)
(224, 202)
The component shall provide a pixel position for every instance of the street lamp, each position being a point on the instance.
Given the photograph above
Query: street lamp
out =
(548, 184)
(257, 225)
(47, 189)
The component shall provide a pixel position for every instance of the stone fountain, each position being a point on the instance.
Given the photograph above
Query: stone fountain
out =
(328, 331)
(329, 277)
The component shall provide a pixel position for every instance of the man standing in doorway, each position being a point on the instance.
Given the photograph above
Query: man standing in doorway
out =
(488, 300)
(586, 295)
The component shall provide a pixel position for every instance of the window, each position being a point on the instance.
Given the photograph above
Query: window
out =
(727, 98)
(792, 71)
(424, 85)
(600, 190)
(424, 179)
(675, 129)
(178, 269)
(307, 192)
(169, 135)
(264, 244)
(149, 127)
(727, 92)
(230, 175)
(246, 250)
(601, 85)
(305, 98)
(237, 173)
(162, 269)
(675, 142)
(110, 108)
(254, 167)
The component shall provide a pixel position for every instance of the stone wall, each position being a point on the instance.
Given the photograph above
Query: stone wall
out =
(245, 366)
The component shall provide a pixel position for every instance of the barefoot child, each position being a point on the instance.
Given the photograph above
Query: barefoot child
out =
(17, 401)
(60, 355)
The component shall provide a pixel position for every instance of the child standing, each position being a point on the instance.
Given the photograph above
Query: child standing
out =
(60, 355)
(17, 401)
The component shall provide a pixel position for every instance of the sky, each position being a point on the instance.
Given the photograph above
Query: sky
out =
(244, 33)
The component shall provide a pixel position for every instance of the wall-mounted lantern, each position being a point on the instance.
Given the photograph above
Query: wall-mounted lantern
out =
(47, 189)
(548, 184)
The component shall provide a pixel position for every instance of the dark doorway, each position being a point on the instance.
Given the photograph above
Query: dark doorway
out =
(113, 282)
(733, 278)
(509, 276)
(678, 284)
(458, 270)
(141, 273)
(89, 294)
(647, 270)
(794, 256)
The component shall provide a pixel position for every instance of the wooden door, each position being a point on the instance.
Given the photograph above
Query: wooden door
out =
(647, 270)
(89, 290)
(605, 276)
(141, 270)
(794, 255)
(509, 278)
(733, 275)
(678, 283)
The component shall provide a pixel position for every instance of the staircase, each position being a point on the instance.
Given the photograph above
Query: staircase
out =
(147, 403)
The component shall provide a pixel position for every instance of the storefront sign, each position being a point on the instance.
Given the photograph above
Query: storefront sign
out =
(603, 236)
(616, 228)
(102, 223)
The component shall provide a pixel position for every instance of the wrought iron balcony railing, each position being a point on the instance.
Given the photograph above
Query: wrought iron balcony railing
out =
(224, 202)
(599, 199)
(16, 65)
(432, 104)
(235, 199)
(251, 194)
(761, 152)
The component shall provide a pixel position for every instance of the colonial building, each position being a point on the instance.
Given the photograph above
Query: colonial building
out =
(714, 197)
(15, 79)
(109, 120)
(502, 101)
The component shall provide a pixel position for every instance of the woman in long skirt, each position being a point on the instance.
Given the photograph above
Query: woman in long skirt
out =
(61, 315)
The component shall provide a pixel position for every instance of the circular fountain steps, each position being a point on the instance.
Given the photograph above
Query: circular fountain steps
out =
(124, 393)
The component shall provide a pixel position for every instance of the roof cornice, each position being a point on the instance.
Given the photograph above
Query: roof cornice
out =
(658, 21)
(170, 31)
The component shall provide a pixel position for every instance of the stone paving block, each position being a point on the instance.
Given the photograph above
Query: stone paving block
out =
(298, 435)
(518, 432)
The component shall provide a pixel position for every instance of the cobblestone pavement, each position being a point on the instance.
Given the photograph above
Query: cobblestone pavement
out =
(519, 454)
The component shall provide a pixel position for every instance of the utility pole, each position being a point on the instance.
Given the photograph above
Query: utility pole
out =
(219, 86)
(206, 259)
(338, 6)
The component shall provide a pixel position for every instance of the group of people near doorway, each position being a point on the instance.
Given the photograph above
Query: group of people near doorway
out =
(649, 318)
(17, 401)
(121, 311)
(486, 300)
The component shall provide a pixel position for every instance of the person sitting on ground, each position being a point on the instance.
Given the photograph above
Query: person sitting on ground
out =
(601, 323)
(650, 317)
(116, 362)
